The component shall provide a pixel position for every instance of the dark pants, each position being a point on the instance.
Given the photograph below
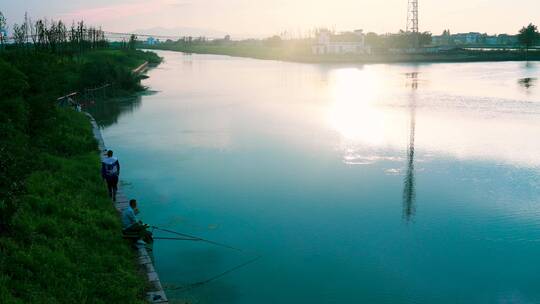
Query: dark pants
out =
(112, 185)
(139, 232)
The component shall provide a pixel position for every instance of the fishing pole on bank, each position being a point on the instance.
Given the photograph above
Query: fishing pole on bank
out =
(187, 237)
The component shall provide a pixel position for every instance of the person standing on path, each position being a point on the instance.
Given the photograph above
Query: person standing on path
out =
(110, 170)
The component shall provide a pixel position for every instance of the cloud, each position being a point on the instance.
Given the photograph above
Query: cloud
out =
(119, 11)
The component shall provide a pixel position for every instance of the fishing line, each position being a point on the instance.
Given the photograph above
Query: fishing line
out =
(198, 284)
(187, 237)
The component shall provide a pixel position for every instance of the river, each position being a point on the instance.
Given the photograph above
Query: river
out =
(385, 183)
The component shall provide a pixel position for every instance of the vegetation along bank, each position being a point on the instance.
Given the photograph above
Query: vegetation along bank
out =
(388, 48)
(60, 237)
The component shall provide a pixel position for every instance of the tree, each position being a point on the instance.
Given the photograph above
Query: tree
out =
(374, 40)
(528, 36)
(27, 22)
(132, 42)
(3, 29)
(424, 38)
(273, 41)
(32, 31)
(20, 32)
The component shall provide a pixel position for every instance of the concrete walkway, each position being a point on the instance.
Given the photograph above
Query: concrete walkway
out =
(157, 294)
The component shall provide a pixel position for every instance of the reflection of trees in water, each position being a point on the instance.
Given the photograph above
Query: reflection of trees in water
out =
(409, 191)
(107, 111)
(527, 83)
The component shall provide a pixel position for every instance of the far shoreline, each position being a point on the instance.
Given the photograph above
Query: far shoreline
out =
(455, 56)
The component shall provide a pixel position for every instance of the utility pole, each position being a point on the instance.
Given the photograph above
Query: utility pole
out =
(412, 21)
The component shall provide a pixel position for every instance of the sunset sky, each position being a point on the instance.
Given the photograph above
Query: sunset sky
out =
(264, 17)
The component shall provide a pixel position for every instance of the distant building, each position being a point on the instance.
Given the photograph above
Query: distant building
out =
(474, 39)
(442, 40)
(151, 41)
(467, 38)
(439, 40)
(504, 39)
(344, 43)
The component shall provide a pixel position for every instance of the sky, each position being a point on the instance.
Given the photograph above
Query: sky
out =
(258, 18)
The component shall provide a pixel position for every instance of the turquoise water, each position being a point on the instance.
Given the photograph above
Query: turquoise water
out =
(355, 184)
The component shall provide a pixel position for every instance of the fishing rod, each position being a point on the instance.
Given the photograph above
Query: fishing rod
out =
(173, 238)
(187, 237)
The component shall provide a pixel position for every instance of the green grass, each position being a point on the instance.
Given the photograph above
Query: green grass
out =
(60, 237)
(65, 244)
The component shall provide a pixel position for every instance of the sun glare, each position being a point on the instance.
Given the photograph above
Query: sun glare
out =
(353, 112)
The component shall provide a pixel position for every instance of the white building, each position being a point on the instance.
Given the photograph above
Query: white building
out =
(344, 43)
(468, 38)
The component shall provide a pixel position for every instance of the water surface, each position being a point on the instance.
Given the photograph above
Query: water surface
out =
(356, 184)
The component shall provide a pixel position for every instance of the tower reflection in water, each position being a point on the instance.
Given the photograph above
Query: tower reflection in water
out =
(409, 191)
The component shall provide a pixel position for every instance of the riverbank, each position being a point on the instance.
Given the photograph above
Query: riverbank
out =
(60, 239)
(302, 54)
(154, 289)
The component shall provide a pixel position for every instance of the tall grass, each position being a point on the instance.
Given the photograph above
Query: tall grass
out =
(60, 237)
(65, 244)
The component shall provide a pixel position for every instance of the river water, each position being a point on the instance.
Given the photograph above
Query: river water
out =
(387, 183)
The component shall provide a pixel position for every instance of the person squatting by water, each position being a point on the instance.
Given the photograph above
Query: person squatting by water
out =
(133, 228)
(110, 170)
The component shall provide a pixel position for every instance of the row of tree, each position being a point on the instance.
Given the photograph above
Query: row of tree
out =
(400, 40)
(53, 35)
(529, 36)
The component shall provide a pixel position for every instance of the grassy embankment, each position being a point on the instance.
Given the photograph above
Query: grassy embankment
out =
(301, 52)
(60, 238)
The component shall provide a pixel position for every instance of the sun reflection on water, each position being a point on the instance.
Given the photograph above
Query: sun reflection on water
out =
(352, 112)
(367, 128)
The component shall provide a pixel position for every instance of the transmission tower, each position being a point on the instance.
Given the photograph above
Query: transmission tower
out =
(412, 16)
